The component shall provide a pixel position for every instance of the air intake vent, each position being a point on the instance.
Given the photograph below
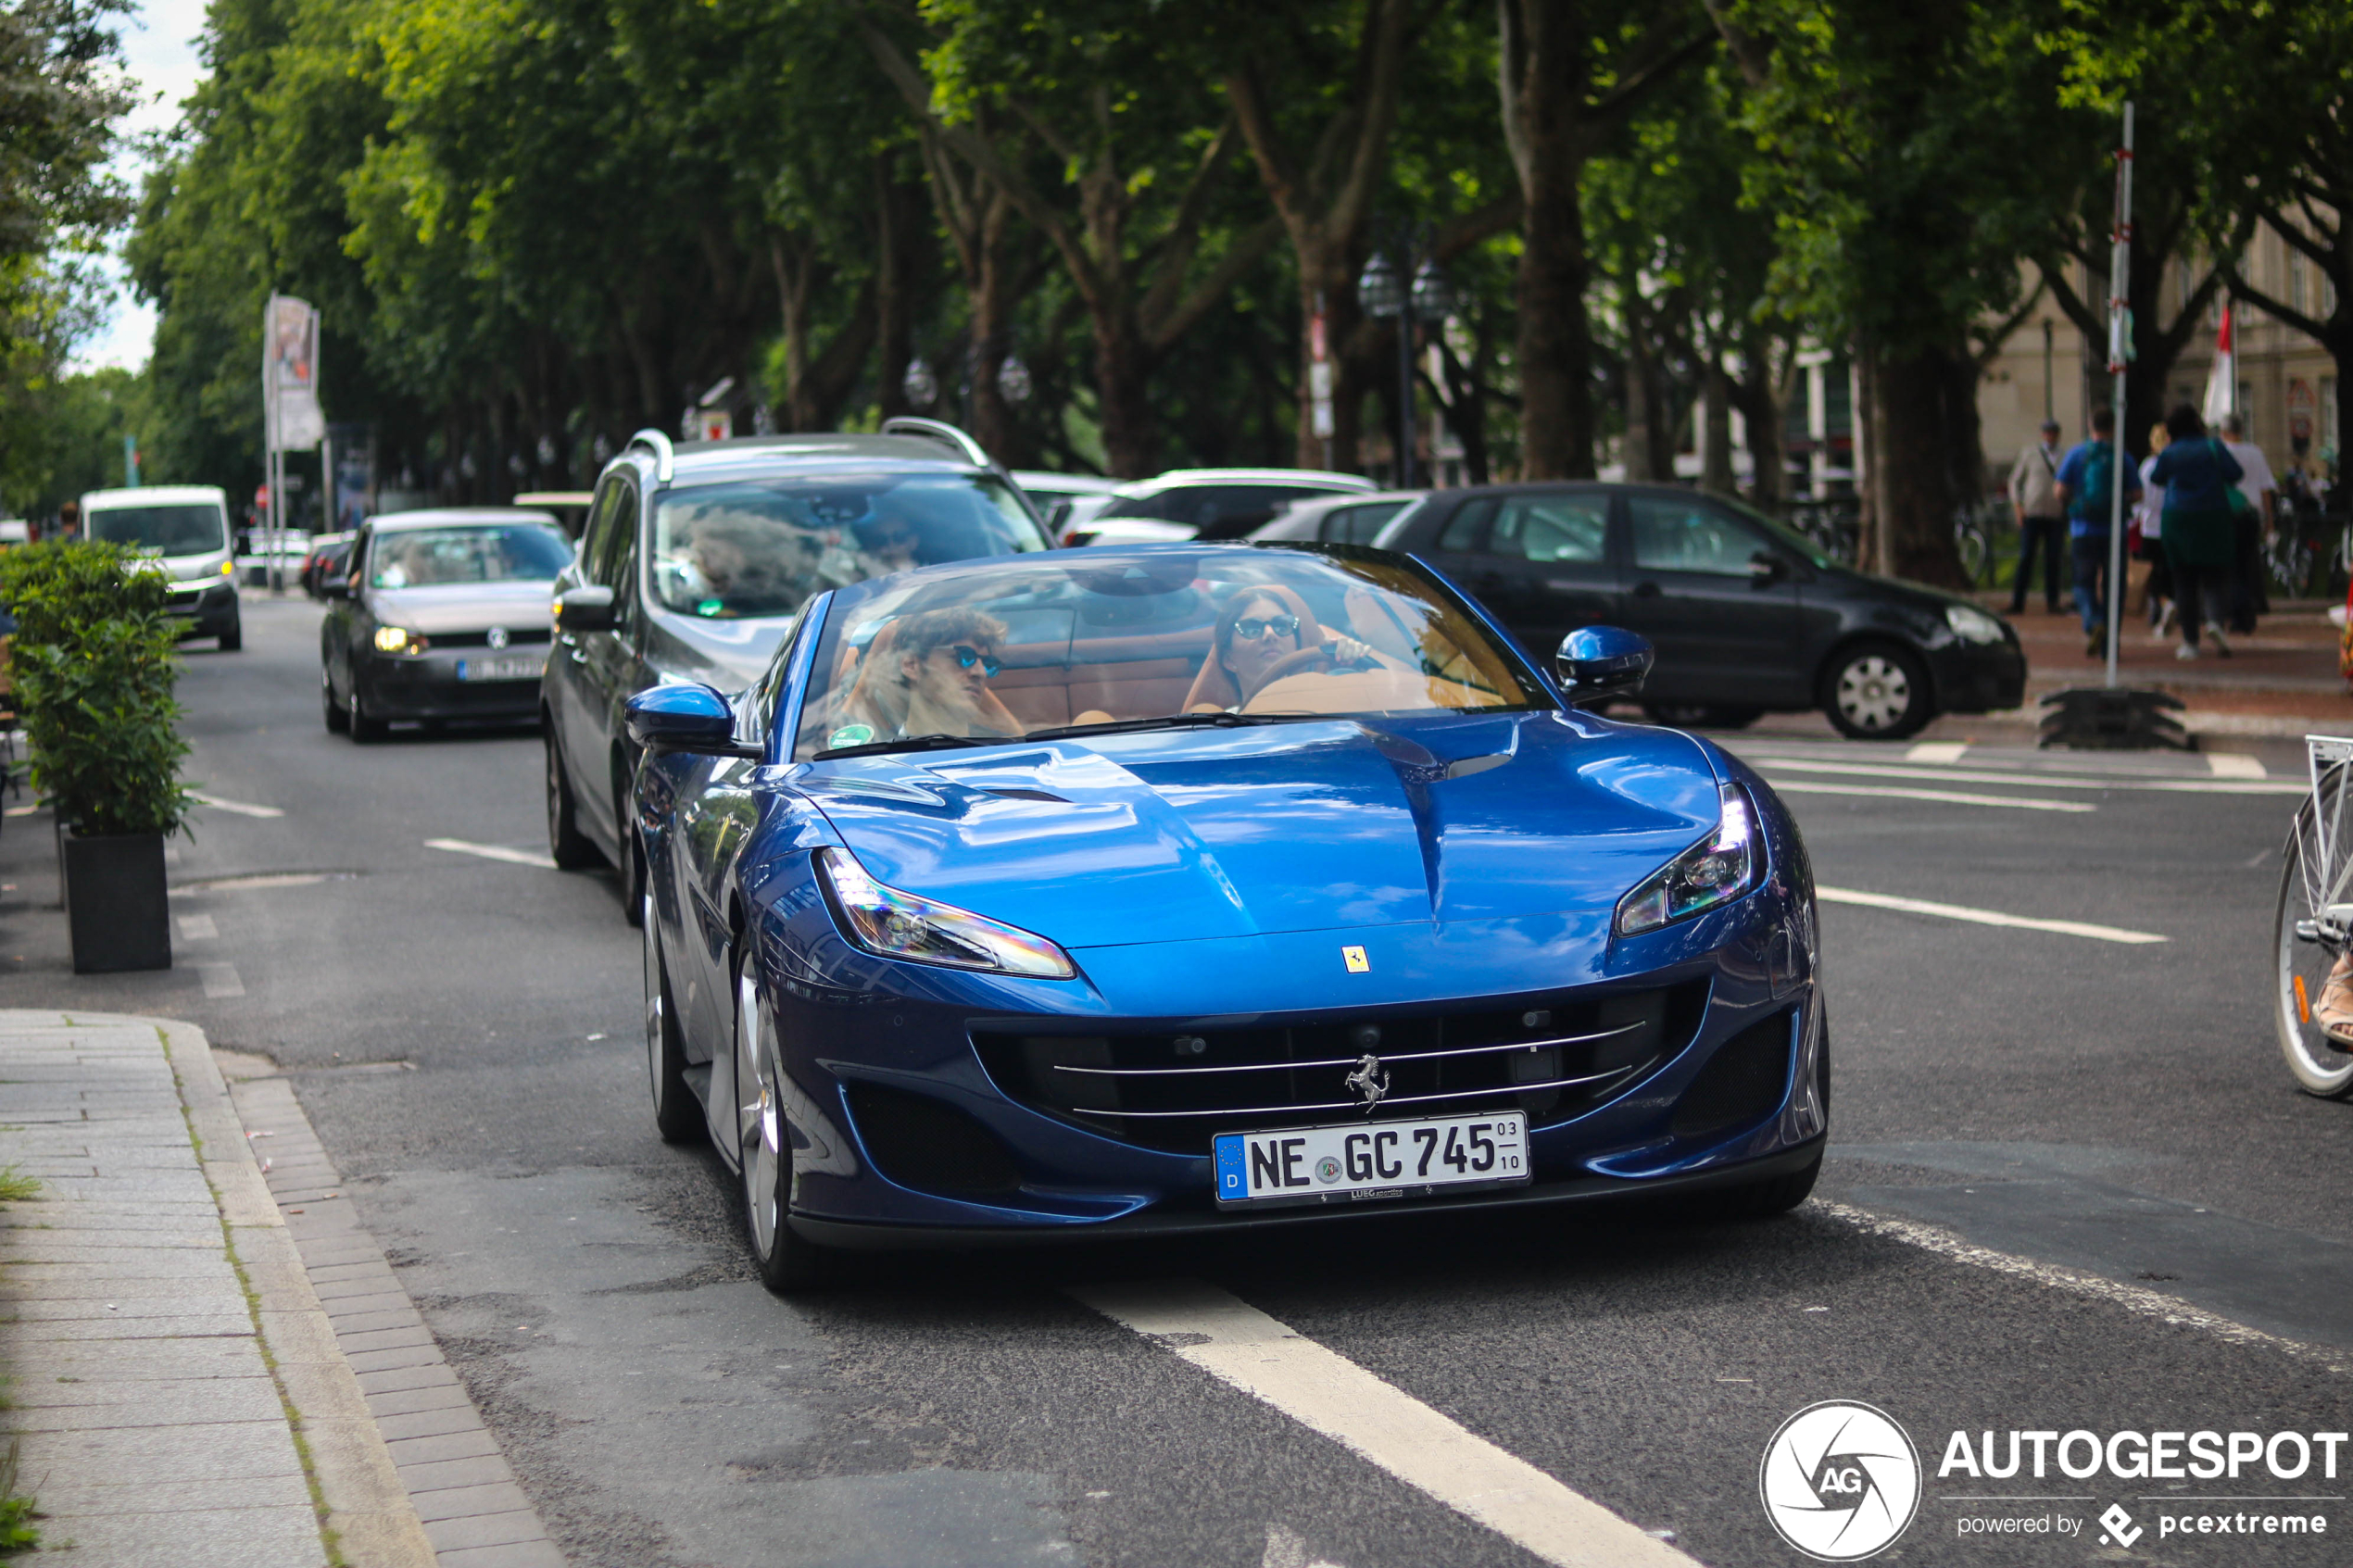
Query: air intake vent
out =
(922, 1143)
(1742, 1084)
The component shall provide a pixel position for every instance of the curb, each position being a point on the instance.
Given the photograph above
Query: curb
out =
(367, 1509)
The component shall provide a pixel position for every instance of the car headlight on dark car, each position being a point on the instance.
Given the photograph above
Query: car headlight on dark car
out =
(399, 639)
(1973, 625)
(1714, 872)
(892, 925)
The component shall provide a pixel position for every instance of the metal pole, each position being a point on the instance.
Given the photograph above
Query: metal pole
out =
(2047, 368)
(1405, 379)
(2118, 351)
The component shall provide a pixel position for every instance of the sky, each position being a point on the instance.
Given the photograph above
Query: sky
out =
(159, 43)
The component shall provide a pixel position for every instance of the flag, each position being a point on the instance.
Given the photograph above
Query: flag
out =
(2221, 381)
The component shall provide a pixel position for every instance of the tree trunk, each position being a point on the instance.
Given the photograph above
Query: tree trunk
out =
(1757, 396)
(1324, 276)
(1913, 462)
(1554, 351)
(1715, 431)
(1640, 454)
(896, 238)
(996, 269)
(1122, 372)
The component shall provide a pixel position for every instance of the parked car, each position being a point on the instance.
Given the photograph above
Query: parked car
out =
(1203, 503)
(444, 614)
(1746, 616)
(1048, 492)
(1193, 889)
(1343, 519)
(698, 558)
(185, 529)
(329, 555)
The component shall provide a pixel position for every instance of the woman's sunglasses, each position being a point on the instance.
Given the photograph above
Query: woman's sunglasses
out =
(968, 657)
(1250, 628)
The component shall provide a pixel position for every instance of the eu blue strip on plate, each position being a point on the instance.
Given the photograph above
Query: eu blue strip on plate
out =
(1232, 1181)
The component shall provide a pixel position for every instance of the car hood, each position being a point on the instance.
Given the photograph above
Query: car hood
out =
(1176, 835)
(464, 606)
(730, 655)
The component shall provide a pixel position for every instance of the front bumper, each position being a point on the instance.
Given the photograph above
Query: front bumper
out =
(209, 608)
(427, 686)
(1978, 677)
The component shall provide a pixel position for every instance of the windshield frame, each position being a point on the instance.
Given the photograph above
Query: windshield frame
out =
(90, 526)
(787, 715)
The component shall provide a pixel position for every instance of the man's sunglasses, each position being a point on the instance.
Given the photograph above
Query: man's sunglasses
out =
(968, 657)
(1250, 628)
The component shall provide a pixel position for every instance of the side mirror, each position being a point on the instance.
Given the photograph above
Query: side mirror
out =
(685, 718)
(584, 609)
(1765, 569)
(1597, 663)
(335, 587)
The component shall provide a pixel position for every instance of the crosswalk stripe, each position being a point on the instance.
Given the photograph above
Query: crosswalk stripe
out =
(1985, 917)
(1949, 796)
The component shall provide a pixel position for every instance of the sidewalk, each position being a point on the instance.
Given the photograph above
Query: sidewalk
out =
(176, 1392)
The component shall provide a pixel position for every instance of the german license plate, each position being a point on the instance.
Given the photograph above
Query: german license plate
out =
(1363, 1161)
(513, 667)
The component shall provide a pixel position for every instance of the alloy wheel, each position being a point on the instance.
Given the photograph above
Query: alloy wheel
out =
(1874, 692)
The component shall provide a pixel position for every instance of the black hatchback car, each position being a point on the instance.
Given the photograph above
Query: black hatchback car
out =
(696, 561)
(1746, 616)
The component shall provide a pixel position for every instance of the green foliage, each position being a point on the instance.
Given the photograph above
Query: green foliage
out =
(17, 1531)
(95, 665)
(17, 1187)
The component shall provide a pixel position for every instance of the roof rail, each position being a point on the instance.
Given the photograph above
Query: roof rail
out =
(658, 444)
(945, 434)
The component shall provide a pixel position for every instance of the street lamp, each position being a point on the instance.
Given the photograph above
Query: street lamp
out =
(1382, 292)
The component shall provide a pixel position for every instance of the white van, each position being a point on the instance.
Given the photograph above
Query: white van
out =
(187, 527)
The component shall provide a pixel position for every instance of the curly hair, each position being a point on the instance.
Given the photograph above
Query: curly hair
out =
(918, 635)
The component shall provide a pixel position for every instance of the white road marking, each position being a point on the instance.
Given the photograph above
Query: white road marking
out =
(22, 811)
(1985, 917)
(2032, 780)
(1239, 1345)
(493, 852)
(1937, 751)
(1285, 1548)
(197, 928)
(220, 980)
(2236, 765)
(1949, 796)
(242, 809)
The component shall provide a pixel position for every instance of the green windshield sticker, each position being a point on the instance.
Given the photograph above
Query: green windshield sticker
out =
(851, 734)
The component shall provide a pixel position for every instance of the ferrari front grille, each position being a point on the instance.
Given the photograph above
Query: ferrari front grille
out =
(1172, 1089)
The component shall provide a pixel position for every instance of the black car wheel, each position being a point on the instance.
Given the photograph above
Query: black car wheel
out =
(363, 727)
(677, 1114)
(1876, 691)
(337, 719)
(567, 845)
(234, 637)
(787, 1263)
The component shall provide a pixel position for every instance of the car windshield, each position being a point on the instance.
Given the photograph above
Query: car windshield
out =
(1143, 635)
(752, 549)
(189, 529)
(437, 557)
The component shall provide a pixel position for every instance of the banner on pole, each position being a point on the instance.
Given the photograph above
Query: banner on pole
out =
(290, 375)
(2221, 381)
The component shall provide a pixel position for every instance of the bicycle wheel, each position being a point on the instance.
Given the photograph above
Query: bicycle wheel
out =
(2306, 944)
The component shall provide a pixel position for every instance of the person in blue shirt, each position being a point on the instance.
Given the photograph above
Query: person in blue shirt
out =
(2200, 540)
(2087, 481)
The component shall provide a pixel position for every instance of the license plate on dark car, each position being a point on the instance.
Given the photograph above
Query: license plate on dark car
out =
(1359, 1162)
(513, 667)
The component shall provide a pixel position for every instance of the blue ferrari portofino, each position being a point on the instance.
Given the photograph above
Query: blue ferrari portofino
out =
(1145, 890)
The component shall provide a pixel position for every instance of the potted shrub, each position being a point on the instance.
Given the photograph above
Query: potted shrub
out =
(95, 664)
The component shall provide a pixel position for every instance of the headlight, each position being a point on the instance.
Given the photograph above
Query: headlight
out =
(1716, 871)
(228, 569)
(1973, 625)
(892, 925)
(399, 639)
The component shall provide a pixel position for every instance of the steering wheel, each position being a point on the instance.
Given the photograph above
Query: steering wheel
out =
(1316, 658)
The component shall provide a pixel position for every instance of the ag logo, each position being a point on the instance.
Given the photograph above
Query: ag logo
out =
(1839, 1481)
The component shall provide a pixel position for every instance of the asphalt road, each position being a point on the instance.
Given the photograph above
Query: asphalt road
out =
(2072, 1188)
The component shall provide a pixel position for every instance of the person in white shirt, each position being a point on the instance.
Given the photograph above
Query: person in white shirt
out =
(2148, 515)
(2041, 516)
(2248, 597)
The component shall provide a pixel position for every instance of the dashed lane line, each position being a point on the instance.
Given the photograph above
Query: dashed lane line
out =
(2231, 784)
(1936, 751)
(240, 808)
(1947, 797)
(197, 928)
(493, 852)
(220, 980)
(1986, 917)
(1243, 1347)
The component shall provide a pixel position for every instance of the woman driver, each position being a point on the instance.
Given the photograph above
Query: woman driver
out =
(1260, 629)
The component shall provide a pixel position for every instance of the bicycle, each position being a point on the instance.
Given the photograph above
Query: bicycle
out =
(2314, 916)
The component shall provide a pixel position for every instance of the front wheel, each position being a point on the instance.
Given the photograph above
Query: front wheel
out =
(234, 638)
(786, 1264)
(567, 845)
(332, 710)
(1876, 691)
(363, 727)
(2303, 951)
(677, 1114)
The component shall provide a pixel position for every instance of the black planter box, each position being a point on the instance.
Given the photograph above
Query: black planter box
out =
(117, 903)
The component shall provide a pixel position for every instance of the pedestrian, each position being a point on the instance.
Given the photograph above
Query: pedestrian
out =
(2255, 515)
(2197, 472)
(2148, 518)
(2042, 518)
(2087, 480)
